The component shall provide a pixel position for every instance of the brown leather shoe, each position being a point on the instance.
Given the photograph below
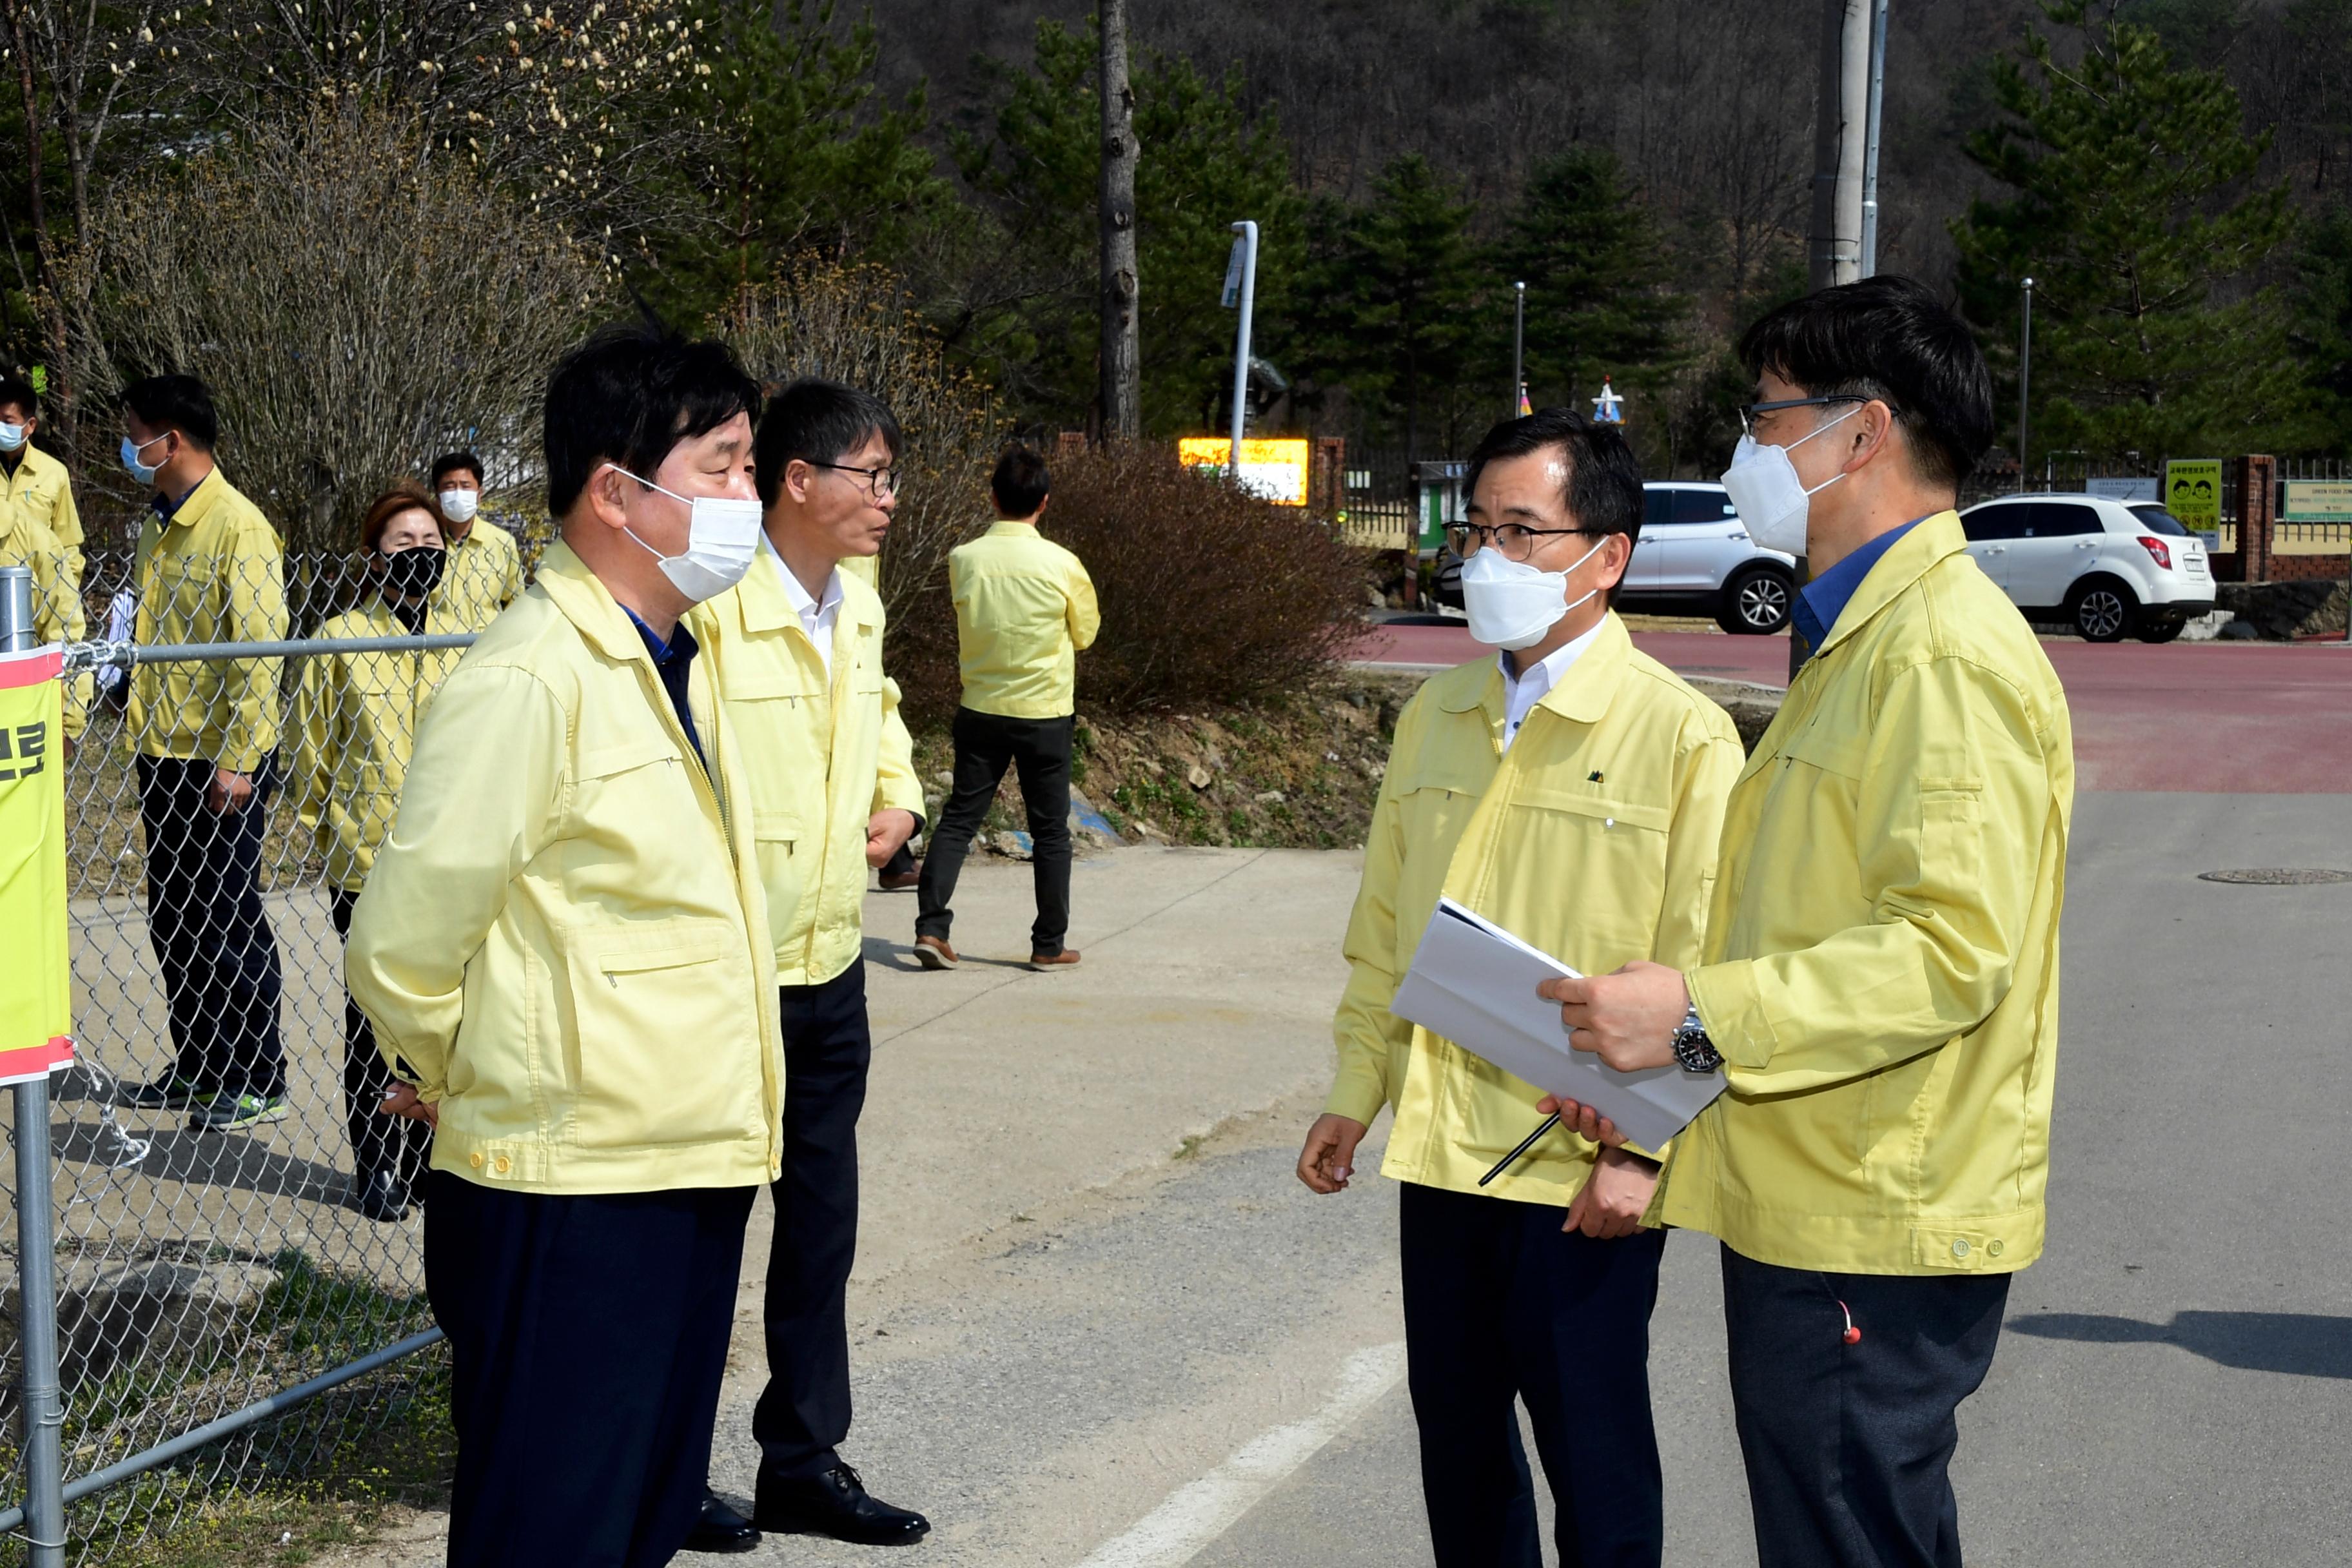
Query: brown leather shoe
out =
(1066, 959)
(901, 881)
(933, 953)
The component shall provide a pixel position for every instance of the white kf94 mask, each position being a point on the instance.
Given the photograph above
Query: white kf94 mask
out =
(1512, 604)
(1767, 493)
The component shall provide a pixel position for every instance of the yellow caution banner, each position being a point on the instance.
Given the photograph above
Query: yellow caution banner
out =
(35, 981)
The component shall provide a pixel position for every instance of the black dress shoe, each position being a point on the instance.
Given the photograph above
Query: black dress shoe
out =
(383, 1196)
(720, 1529)
(834, 1503)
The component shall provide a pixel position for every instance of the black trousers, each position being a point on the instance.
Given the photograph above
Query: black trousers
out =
(1500, 1304)
(1038, 749)
(219, 958)
(587, 1335)
(1849, 1448)
(803, 1413)
(379, 1143)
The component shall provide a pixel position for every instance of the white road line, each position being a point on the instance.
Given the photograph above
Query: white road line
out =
(1198, 1512)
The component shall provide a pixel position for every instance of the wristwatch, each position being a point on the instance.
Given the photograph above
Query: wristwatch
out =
(1693, 1050)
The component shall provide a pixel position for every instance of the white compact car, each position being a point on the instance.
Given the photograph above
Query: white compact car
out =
(2109, 569)
(1695, 557)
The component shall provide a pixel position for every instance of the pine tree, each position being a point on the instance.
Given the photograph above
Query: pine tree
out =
(1592, 258)
(2135, 210)
(2320, 332)
(1390, 312)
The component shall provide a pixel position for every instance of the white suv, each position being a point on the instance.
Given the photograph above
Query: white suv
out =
(1694, 554)
(2110, 569)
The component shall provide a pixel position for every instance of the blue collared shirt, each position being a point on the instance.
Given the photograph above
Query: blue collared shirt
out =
(1824, 599)
(672, 661)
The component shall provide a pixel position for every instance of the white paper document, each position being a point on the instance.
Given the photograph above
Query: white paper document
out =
(1475, 984)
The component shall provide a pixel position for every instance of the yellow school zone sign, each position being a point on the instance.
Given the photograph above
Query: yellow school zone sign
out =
(1274, 468)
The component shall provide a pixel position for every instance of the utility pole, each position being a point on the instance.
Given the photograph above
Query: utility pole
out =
(2025, 375)
(1121, 390)
(1518, 346)
(1870, 140)
(1841, 151)
(1241, 287)
(1840, 124)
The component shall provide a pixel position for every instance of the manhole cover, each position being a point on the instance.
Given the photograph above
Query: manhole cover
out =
(2278, 875)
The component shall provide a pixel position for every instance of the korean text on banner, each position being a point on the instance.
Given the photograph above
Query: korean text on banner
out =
(36, 982)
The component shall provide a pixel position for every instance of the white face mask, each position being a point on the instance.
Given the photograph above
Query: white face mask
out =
(723, 538)
(459, 506)
(1511, 604)
(1767, 493)
(10, 437)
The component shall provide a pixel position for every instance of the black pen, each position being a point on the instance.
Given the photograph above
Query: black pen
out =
(1526, 1144)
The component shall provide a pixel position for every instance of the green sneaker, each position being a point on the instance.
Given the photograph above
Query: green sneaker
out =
(163, 1094)
(230, 1112)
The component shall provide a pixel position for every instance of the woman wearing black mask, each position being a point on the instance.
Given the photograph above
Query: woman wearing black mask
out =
(355, 717)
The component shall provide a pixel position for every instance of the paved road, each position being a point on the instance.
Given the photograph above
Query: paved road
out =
(2201, 717)
(1099, 1325)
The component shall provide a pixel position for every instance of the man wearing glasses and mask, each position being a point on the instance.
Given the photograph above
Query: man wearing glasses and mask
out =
(1881, 976)
(1571, 789)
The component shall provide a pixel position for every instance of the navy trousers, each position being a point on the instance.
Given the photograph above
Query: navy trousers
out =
(803, 1413)
(379, 1143)
(1501, 1305)
(587, 1335)
(213, 941)
(1849, 1448)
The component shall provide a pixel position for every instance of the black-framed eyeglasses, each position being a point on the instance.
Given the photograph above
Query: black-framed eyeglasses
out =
(881, 481)
(1514, 539)
(1749, 412)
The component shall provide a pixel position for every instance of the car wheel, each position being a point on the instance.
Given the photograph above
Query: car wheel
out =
(1755, 601)
(2102, 610)
(2160, 631)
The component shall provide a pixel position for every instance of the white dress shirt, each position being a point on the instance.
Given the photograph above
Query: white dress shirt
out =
(817, 617)
(1522, 692)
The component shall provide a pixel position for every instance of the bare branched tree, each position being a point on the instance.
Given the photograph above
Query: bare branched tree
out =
(352, 310)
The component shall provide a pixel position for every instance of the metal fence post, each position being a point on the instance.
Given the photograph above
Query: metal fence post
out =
(36, 1288)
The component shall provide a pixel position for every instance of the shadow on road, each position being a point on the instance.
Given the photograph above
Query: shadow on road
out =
(2304, 1344)
(206, 1160)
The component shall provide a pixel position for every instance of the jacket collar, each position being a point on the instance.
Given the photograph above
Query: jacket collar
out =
(1012, 527)
(1583, 697)
(198, 504)
(766, 607)
(588, 604)
(1907, 560)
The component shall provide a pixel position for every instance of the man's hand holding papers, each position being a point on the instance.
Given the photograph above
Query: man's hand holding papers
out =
(1627, 1018)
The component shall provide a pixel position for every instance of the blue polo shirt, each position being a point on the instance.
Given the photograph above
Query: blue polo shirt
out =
(673, 661)
(1824, 599)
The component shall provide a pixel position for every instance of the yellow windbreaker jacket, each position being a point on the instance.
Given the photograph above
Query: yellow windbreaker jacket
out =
(822, 756)
(42, 490)
(1882, 973)
(1024, 610)
(212, 573)
(355, 718)
(484, 576)
(26, 541)
(565, 939)
(1593, 838)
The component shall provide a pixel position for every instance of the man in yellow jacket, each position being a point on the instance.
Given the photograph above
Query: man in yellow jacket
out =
(39, 529)
(485, 573)
(1881, 976)
(1024, 611)
(1572, 791)
(204, 736)
(564, 947)
(38, 486)
(798, 651)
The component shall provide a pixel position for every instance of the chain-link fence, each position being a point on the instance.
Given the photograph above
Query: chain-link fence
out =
(235, 1233)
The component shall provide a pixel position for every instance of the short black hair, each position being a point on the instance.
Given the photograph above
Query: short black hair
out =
(628, 395)
(179, 403)
(1891, 339)
(1020, 484)
(813, 421)
(15, 389)
(448, 463)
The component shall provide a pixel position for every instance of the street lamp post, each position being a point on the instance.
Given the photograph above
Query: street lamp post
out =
(1244, 273)
(2024, 377)
(1519, 343)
